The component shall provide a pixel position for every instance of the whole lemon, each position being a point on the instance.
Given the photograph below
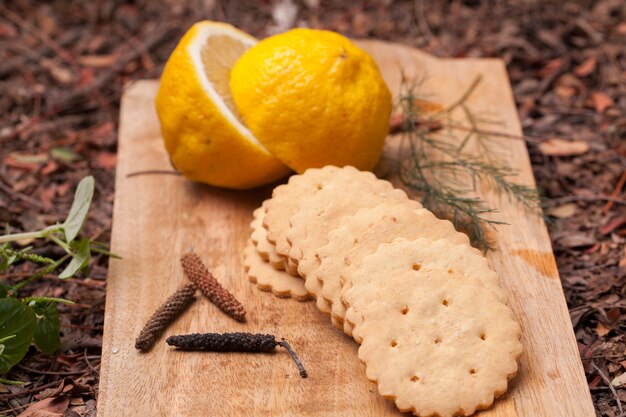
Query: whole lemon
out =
(204, 137)
(312, 98)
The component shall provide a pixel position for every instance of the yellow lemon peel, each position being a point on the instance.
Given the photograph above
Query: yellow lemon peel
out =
(203, 135)
(312, 98)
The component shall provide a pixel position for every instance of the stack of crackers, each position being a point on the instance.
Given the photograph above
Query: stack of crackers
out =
(435, 330)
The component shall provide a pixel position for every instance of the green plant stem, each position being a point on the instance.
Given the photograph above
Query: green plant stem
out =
(465, 95)
(49, 299)
(103, 251)
(41, 272)
(10, 382)
(62, 244)
(43, 233)
(4, 339)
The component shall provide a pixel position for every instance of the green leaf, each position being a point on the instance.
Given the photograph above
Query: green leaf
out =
(80, 208)
(47, 329)
(17, 328)
(29, 158)
(64, 155)
(79, 260)
(4, 290)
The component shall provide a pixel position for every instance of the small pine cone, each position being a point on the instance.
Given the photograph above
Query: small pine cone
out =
(200, 275)
(227, 342)
(164, 315)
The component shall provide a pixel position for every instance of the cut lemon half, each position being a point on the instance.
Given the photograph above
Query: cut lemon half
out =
(203, 135)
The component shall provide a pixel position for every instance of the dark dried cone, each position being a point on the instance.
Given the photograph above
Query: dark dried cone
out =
(200, 275)
(234, 342)
(164, 315)
(227, 342)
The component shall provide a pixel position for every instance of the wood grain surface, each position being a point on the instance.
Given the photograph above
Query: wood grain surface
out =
(159, 217)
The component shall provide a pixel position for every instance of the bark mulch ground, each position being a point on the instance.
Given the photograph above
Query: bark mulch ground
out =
(63, 65)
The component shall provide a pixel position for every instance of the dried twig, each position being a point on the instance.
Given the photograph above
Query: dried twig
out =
(152, 172)
(422, 22)
(29, 391)
(608, 382)
(61, 52)
(26, 55)
(615, 193)
(61, 373)
(590, 198)
(20, 407)
(294, 356)
(398, 124)
(18, 195)
(151, 40)
(93, 369)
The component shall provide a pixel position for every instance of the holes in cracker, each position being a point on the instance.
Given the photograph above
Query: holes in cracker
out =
(445, 303)
(437, 340)
(450, 270)
(346, 261)
(405, 310)
(483, 336)
(416, 266)
(319, 186)
(415, 378)
(394, 219)
(473, 371)
(355, 242)
(394, 343)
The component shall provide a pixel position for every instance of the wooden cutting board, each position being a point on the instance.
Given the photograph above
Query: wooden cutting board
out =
(158, 217)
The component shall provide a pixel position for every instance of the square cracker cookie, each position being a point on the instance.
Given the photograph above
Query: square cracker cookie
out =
(324, 211)
(361, 234)
(436, 341)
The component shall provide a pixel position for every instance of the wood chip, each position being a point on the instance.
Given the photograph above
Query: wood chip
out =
(562, 147)
(563, 212)
(601, 101)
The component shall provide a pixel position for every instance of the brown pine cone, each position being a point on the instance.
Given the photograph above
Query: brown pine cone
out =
(163, 316)
(200, 275)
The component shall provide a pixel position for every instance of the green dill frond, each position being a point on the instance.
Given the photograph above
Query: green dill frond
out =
(438, 167)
